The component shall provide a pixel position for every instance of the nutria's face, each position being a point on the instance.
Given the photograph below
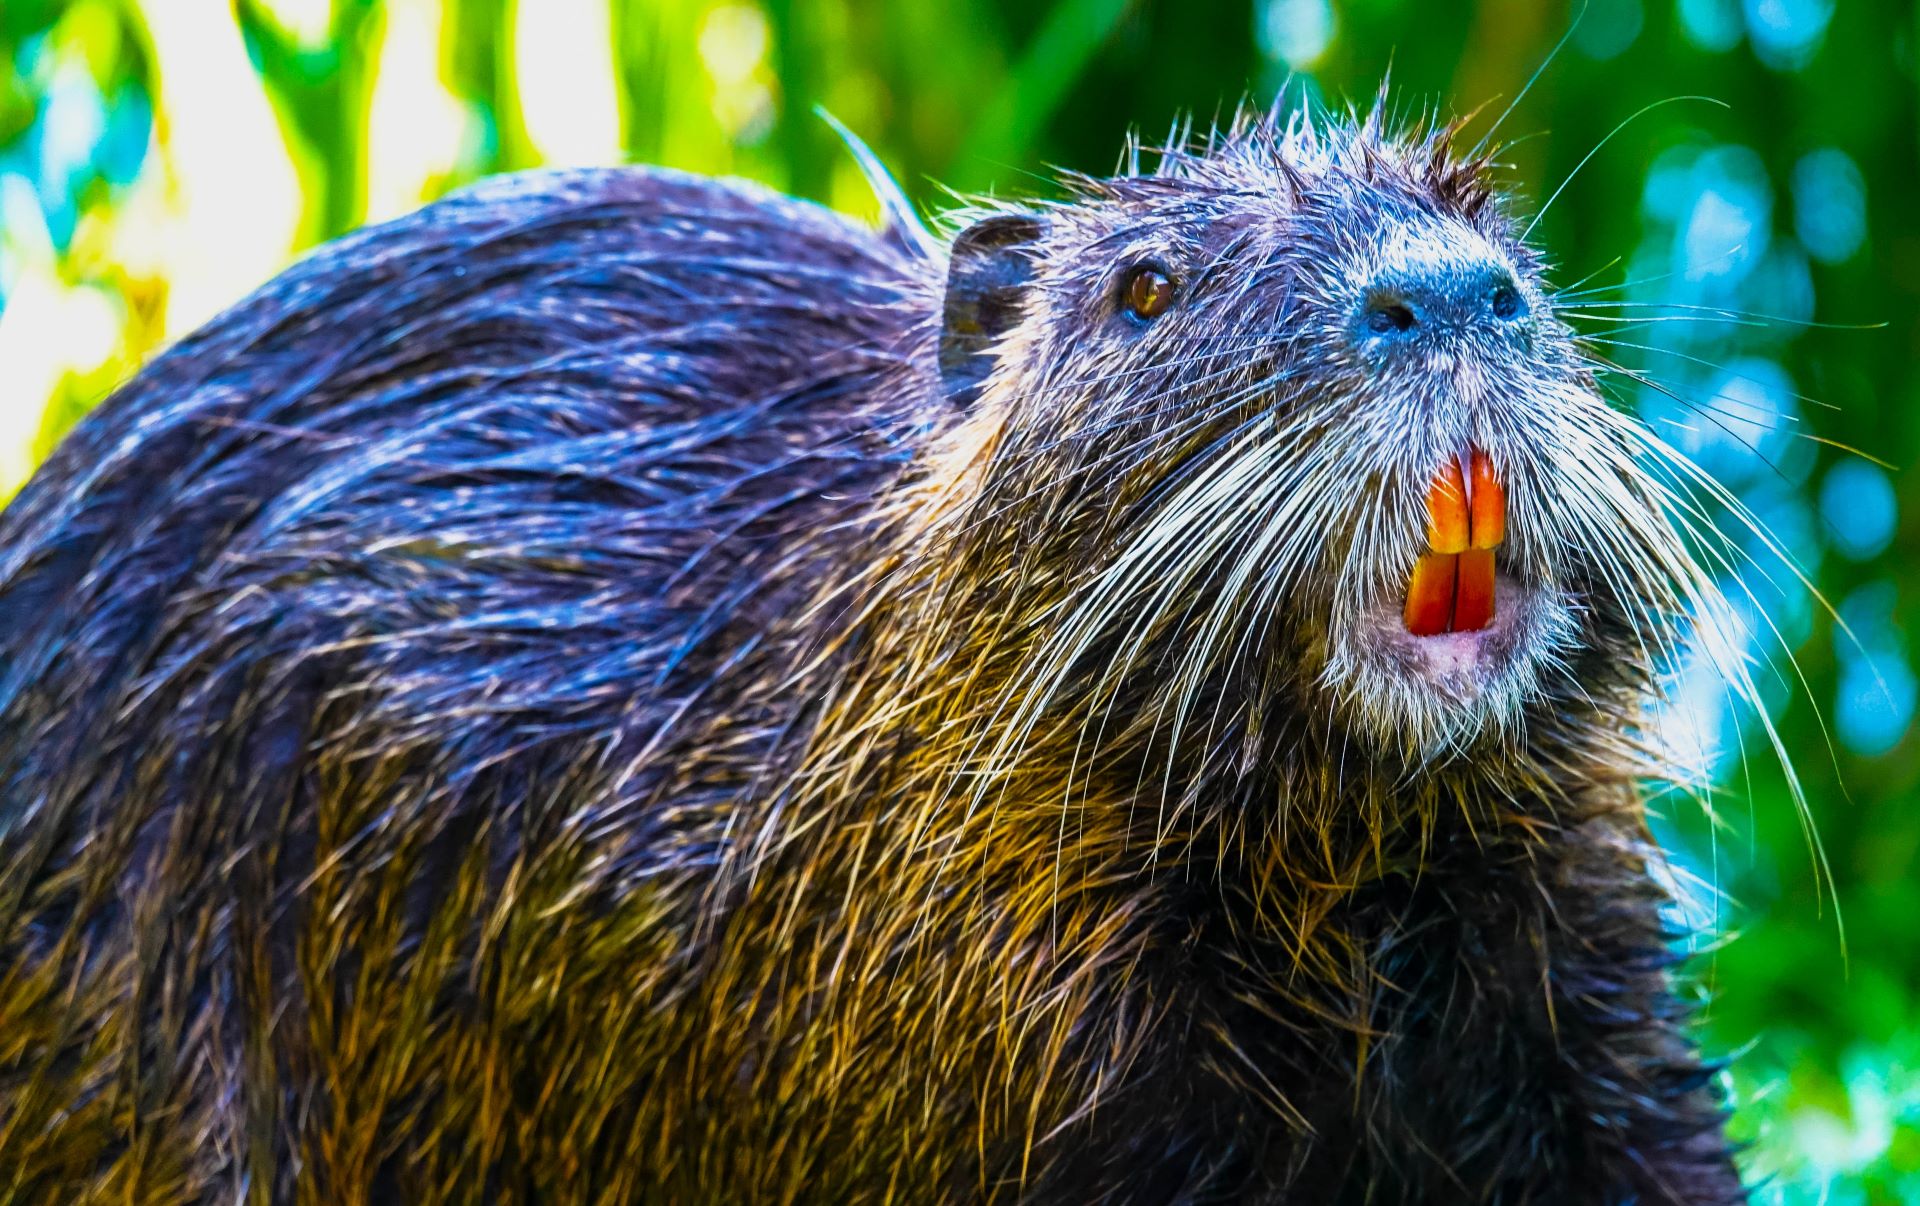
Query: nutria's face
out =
(1296, 419)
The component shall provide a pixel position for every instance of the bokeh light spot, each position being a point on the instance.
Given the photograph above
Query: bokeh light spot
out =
(1829, 205)
(1713, 25)
(1608, 28)
(1729, 224)
(1787, 33)
(1874, 700)
(307, 20)
(1295, 32)
(733, 42)
(567, 93)
(1858, 504)
(1737, 427)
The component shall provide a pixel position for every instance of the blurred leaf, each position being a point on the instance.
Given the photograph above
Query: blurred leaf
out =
(17, 104)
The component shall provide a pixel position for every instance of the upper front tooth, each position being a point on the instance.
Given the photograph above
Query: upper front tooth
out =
(1448, 527)
(1488, 503)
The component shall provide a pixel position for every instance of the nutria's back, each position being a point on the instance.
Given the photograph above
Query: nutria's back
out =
(624, 688)
(369, 626)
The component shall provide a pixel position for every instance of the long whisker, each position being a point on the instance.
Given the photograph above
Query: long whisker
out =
(1629, 120)
(1704, 411)
(1718, 367)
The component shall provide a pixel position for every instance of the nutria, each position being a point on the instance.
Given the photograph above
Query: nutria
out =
(621, 687)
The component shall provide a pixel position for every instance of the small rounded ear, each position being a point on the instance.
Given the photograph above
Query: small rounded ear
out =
(987, 276)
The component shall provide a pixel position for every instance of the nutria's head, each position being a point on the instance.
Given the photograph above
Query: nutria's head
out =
(1288, 432)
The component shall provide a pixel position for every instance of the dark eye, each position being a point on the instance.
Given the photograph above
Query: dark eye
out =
(1149, 292)
(1506, 302)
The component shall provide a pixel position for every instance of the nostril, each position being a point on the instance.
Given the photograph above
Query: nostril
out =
(1439, 300)
(1386, 315)
(1507, 302)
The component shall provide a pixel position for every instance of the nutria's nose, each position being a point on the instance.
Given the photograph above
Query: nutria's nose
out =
(1443, 298)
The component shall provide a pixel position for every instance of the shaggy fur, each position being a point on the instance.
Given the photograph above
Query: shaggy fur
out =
(625, 688)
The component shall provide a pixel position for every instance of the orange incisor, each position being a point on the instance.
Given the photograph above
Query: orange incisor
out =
(1452, 585)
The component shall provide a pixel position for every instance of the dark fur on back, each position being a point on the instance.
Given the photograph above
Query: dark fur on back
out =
(488, 719)
(360, 644)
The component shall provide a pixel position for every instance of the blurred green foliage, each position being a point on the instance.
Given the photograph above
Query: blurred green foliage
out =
(1719, 238)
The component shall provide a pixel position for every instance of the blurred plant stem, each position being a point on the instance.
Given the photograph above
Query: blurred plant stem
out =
(478, 67)
(321, 96)
(804, 140)
(650, 70)
(1052, 63)
(1509, 41)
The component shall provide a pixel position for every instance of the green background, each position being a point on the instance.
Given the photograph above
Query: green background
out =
(1758, 254)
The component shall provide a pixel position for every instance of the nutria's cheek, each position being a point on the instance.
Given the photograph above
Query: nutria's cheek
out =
(954, 472)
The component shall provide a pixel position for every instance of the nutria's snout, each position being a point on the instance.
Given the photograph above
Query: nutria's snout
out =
(1465, 405)
(1441, 302)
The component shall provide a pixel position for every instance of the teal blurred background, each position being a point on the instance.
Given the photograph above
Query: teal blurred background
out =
(159, 159)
